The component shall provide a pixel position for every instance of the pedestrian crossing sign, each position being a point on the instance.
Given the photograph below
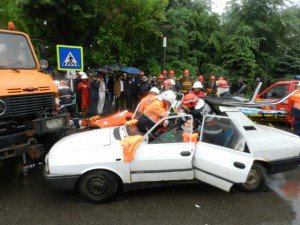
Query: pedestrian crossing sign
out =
(69, 57)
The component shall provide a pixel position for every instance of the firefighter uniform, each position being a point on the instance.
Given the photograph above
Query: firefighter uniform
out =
(186, 86)
(84, 87)
(151, 115)
(296, 112)
(145, 102)
(66, 104)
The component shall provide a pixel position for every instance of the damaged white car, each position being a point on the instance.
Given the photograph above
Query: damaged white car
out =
(231, 151)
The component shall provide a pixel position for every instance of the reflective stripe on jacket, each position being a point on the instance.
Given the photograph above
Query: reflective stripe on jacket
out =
(156, 111)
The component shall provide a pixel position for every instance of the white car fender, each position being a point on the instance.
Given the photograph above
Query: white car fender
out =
(123, 172)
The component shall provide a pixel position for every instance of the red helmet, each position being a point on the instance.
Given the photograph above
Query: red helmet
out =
(63, 83)
(165, 72)
(171, 72)
(161, 77)
(212, 78)
(142, 73)
(168, 83)
(186, 72)
(190, 100)
(200, 78)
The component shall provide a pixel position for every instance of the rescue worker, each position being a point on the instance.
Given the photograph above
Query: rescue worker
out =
(201, 80)
(171, 74)
(197, 89)
(186, 84)
(222, 88)
(156, 111)
(164, 73)
(160, 83)
(196, 106)
(146, 101)
(296, 112)
(84, 87)
(168, 85)
(66, 102)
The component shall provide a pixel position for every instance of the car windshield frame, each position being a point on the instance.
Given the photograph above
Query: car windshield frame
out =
(25, 55)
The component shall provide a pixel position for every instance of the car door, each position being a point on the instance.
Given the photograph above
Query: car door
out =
(160, 161)
(221, 157)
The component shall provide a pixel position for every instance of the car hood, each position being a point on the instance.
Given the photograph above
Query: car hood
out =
(81, 141)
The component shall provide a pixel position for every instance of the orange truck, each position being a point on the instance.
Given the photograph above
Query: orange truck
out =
(28, 109)
(274, 93)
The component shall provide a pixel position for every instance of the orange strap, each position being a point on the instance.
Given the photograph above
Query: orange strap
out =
(130, 145)
(187, 136)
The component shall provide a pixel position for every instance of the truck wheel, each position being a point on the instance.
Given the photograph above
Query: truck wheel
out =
(98, 186)
(255, 180)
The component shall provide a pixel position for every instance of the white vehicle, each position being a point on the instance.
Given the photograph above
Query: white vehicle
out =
(232, 151)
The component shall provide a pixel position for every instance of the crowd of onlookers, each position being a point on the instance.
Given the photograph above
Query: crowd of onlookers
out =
(103, 93)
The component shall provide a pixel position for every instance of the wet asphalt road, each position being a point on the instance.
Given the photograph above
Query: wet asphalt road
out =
(27, 200)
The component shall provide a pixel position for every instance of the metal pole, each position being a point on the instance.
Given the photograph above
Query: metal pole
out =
(164, 52)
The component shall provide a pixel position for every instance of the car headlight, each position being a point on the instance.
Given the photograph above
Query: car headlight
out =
(55, 123)
(2, 107)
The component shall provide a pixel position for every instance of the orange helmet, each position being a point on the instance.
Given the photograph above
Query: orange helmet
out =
(165, 72)
(221, 78)
(212, 78)
(190, 100)
(186, 72)
(168, 83)
(200, 78)
(161, 77)
(142, 73)
(171, 72)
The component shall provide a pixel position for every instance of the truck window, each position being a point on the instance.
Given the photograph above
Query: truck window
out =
(15, 52)
(278, 91)
(222, 132)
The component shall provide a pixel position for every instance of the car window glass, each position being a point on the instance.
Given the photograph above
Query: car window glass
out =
(222, 132)
(171, 131)
(278, 91)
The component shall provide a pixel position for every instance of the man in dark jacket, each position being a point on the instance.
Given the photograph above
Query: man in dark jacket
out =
(109, 83)
(144, 87)
(131, 90)
(94, 94)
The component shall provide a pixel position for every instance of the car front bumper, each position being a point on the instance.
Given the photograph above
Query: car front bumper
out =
(61, 182)
(283, 165)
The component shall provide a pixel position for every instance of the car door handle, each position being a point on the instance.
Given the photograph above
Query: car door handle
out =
(239, 165)
(185, 153)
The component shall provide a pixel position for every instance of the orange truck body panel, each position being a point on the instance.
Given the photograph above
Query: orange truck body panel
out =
(14, 82)
(288, 87)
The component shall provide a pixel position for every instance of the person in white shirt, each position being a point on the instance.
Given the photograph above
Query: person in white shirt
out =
(101, 99)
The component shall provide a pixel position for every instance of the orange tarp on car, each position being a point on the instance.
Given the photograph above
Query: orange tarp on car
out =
(130, 145)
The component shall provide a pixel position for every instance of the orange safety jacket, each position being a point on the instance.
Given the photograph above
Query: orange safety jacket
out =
(156, 111)
(146, 101)
(296, 99)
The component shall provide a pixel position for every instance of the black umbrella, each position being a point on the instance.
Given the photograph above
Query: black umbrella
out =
(104, 69)
(114, 66)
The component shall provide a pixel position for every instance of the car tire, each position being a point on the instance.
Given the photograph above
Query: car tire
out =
(255, 180)
(98, 186)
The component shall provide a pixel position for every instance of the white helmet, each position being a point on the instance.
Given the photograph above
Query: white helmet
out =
(82, 73)
(197, 84)
(172, 82)
(154, 90)
(84, 77)
(169, 96)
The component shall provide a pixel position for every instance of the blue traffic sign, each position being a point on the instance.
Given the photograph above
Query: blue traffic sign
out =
(69, 57)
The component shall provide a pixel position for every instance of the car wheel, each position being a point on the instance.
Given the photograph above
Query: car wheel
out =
(255, 180)
(98, 186)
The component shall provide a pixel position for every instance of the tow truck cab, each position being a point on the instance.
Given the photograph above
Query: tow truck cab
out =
(27, 98)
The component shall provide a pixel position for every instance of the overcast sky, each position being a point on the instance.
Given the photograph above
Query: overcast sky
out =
(219, 5)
